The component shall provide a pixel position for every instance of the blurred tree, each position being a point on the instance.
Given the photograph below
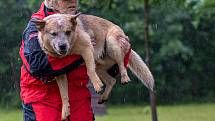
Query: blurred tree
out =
(12, 22)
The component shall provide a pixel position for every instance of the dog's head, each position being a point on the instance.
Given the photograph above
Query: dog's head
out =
(57, 32)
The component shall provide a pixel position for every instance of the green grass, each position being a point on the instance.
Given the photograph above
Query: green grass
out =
(188, 112)
(11, 115)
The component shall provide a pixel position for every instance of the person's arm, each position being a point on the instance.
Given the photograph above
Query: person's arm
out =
(39, 64)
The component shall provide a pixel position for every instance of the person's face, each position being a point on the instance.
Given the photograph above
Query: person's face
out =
(65, 6)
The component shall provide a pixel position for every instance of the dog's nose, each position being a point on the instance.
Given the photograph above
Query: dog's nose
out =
(62, 47)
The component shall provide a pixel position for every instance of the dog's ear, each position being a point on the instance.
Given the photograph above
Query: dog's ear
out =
(40, 24)
(74, 17)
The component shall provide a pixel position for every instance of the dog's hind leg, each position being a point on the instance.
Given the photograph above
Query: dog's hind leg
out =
(63, 88)
(109, 82)
(116, 52)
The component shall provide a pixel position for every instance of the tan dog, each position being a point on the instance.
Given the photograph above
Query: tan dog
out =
(109, 42)
(110, 46)
(103, 31)
(61, 35)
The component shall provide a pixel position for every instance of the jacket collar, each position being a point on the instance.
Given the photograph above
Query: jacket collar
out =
(43, 12)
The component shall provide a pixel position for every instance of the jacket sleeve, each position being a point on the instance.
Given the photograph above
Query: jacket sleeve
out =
(39, 64)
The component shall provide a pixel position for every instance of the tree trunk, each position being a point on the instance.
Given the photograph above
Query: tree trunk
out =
(147, 50)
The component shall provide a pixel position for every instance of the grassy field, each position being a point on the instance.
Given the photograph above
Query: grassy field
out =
(189, 112)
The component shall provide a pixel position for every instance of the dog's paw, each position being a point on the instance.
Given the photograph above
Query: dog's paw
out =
(125, 80)
(101, 101)
(124, 83)
(97, 87)
(65, 111)
(103, 98)
(101, 84)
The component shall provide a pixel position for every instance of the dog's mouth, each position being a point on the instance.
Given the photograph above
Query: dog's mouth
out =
(63, 52)
(60, 52)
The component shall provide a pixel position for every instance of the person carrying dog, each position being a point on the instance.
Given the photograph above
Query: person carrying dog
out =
(39, 90)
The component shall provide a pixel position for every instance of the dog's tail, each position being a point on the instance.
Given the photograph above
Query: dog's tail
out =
(140, 69)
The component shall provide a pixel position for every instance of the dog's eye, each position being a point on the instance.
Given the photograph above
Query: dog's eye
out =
(54, 34)
(68, 32)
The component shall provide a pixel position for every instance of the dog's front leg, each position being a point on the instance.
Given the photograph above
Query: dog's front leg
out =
(63, 88)
(91, 69)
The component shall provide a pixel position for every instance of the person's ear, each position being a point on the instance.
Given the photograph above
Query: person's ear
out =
(40, 24)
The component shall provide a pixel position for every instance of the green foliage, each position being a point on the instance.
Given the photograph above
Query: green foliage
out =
(181, 39)
(13, 19)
